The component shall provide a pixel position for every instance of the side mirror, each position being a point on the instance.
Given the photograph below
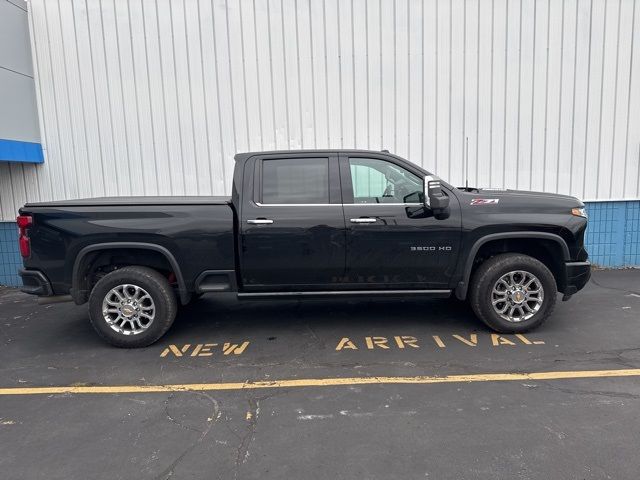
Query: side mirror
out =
(435, 198)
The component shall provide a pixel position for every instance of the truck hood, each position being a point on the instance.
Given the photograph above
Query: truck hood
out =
(524, 195)
(493, 201)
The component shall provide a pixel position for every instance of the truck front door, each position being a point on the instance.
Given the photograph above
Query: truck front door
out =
(292, 226)
(393, 240)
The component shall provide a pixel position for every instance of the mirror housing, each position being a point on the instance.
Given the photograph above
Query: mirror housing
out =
(435, 198)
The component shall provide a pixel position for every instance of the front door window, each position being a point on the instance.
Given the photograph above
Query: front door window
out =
(379, 181)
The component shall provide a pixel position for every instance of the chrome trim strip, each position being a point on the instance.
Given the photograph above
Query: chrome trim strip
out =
(363, 220)
(578, 264)
(260, 221)
(385, 204)
(336, 204)
(298, 204)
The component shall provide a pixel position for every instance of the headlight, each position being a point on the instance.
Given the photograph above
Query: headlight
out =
(579, 212)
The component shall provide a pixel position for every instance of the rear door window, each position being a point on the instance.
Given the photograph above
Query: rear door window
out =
(295, 181)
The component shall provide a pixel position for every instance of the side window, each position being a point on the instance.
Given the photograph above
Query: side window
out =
(295, 180)
(379, 181)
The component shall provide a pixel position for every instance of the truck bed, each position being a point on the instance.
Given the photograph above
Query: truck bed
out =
(196, 233)
(139, 200)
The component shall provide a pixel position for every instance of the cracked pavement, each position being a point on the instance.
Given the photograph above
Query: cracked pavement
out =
(572, 428)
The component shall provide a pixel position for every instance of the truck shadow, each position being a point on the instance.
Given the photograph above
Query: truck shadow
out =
(224, 318)
(271, 317)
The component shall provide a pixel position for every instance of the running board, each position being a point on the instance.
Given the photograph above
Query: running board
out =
(348, 293)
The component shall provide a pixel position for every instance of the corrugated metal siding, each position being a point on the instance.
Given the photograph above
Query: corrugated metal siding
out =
(144, 97)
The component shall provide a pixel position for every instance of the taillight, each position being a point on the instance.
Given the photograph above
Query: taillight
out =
(24, 222)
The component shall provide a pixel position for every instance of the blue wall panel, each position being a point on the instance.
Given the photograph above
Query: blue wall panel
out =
(604, 233)
(613, 234)
(10, 260)
(632, 234)
(613, 239)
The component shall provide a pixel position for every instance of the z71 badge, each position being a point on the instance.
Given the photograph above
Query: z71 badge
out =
(484, 201)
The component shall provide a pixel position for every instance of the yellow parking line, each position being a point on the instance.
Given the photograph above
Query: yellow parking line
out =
(322, 382)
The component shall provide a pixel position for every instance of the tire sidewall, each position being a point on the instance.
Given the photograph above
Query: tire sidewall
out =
(146, 279)
(501, 265)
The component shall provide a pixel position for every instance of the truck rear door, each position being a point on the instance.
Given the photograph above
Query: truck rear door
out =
(291, 225)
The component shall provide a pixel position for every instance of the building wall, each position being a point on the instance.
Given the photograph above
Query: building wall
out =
(19, 132)
(142, 97)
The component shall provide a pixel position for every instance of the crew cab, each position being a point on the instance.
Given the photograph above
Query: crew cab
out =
(311, 223)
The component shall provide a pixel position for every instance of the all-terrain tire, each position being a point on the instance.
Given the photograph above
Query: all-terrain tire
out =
(143, 291)
(485, 279)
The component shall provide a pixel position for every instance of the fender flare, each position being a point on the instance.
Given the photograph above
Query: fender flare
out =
(79, 295)
(463, 285)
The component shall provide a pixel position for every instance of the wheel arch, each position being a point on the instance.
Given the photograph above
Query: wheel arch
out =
(497, 240)
(79, 284)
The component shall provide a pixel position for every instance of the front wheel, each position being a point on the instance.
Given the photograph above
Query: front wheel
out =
(132, 307)
(513, 293)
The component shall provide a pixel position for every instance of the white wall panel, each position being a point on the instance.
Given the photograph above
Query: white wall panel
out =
(145, 97)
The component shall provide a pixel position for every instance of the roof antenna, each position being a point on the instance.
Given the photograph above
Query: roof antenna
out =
(466, 164)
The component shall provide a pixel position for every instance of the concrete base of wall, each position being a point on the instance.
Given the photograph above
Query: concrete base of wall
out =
(613, 239)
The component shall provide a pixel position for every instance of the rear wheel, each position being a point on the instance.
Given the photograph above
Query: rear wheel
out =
(132, 307)
(513, 293)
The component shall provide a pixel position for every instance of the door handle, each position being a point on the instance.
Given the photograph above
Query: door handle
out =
(364, 220)
(260, 221)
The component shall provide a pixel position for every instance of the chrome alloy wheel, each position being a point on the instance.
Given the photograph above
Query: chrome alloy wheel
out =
(517, 296)
(128, 309)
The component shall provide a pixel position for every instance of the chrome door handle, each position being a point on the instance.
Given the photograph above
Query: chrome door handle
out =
(364, 220)
(260, 221)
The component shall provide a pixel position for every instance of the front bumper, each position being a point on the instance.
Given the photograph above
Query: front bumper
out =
(35, 283)
(577, 275)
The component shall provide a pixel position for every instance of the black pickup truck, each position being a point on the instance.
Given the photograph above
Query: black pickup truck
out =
(300, 224)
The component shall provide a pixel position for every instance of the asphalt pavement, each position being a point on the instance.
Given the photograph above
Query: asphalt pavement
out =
(318, 389)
